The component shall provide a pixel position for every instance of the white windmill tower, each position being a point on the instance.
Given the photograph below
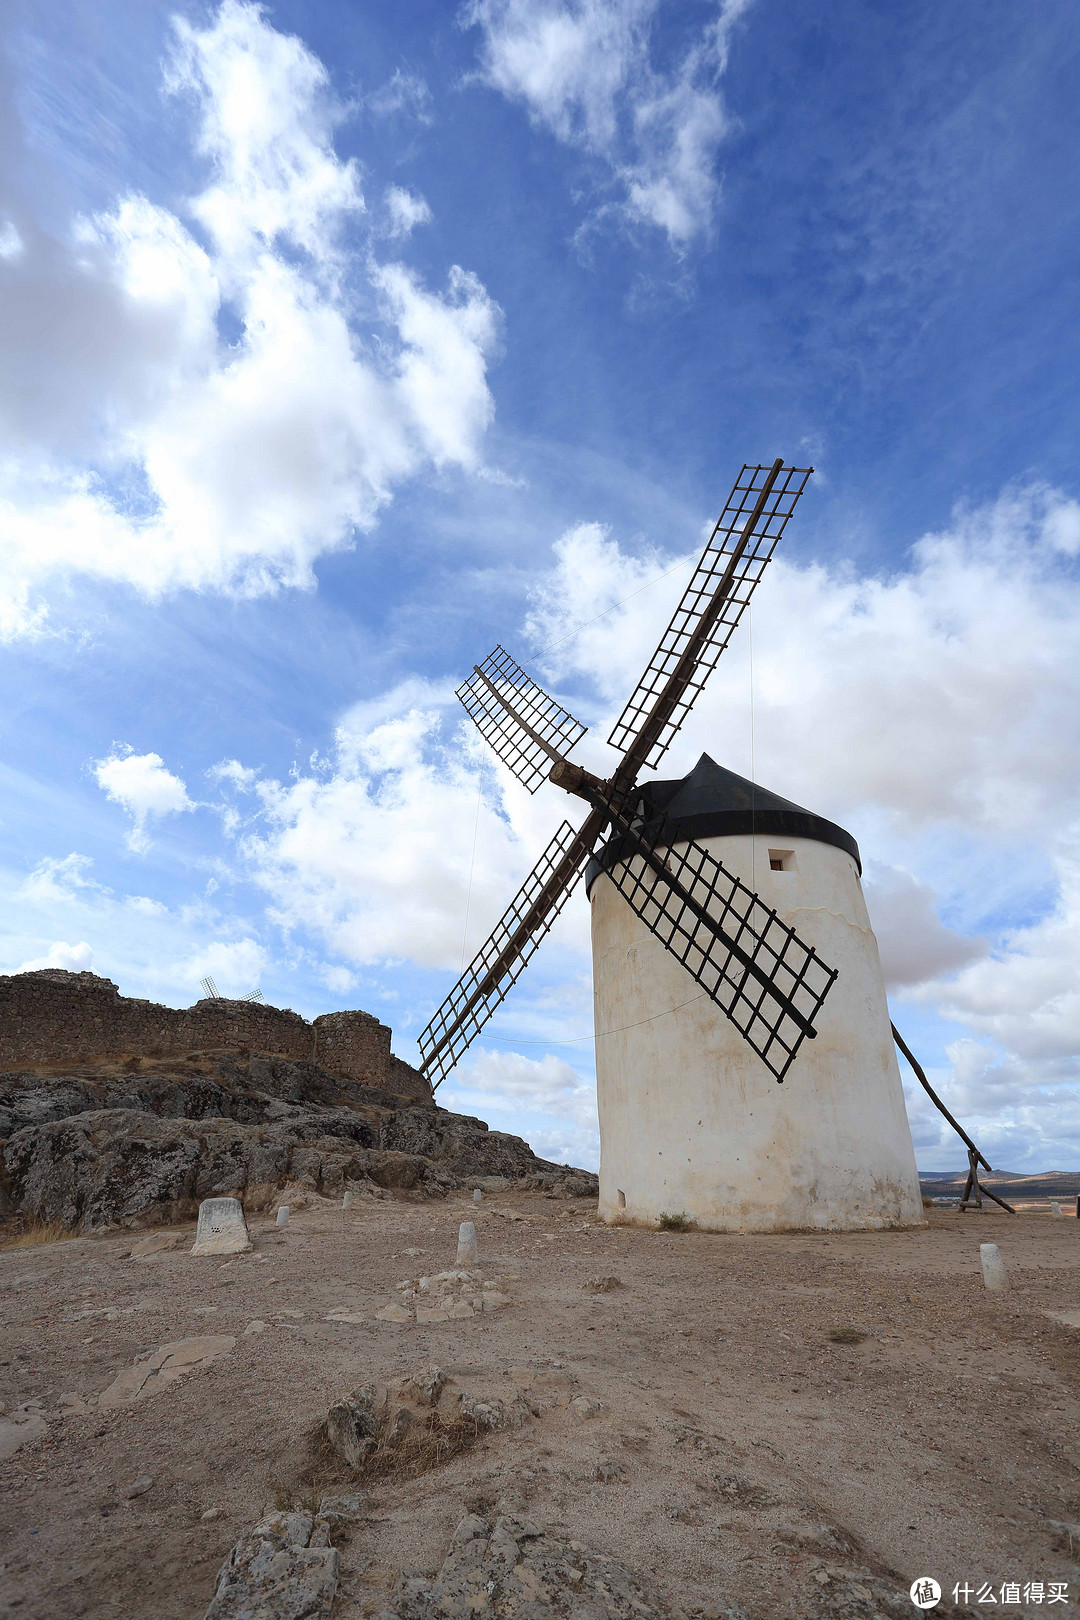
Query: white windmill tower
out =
(716, 911)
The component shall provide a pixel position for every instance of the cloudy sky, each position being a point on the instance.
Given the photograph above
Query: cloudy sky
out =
(339, 342)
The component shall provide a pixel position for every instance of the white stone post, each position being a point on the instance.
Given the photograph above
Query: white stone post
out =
(466, 1246)
(222, 1228)
(995, 1276)
(478, 1195)
(346, 1202)
(283, 1215)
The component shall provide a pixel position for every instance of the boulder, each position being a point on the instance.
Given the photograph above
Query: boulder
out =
(284, 1569)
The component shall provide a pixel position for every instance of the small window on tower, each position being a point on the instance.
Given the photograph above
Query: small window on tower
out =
(782, 860)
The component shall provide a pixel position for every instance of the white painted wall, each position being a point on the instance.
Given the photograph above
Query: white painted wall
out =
(690, 1118)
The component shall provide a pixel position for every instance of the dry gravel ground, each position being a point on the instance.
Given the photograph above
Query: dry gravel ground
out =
(739, 1460)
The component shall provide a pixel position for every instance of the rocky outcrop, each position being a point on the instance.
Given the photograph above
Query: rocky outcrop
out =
(515, 1570)
(145, 1141)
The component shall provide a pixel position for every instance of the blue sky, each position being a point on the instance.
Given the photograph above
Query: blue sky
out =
(338, 343)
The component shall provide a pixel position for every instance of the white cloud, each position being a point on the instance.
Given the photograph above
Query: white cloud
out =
(546, 1085)
(235, 965)
(1025, 996)
(544, 1099)
(372, 849)
(943, 694)
(405, 93)
(59, 880)
(405, 211)
(141, 783)
(149, 451)
(240, 776)
(73, 958)
(914, 943)
(584, 71)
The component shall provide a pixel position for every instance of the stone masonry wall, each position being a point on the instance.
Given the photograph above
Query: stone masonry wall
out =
(56, 1017)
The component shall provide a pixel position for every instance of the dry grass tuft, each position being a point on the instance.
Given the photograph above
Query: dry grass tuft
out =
(675, 1223)
(845, 1335)
(31, 1234)
(426, 1444)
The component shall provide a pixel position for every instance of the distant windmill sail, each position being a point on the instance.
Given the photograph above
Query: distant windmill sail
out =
(253, 995)
(209, 988)
(757, 970)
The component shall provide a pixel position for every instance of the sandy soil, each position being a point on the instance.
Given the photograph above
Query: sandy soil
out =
(740, 1459)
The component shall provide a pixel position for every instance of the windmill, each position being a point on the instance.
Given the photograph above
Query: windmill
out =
(727, 992)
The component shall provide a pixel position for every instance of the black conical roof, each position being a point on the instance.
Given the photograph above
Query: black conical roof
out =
(713, 802)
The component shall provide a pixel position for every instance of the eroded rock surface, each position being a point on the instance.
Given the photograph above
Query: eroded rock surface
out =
(148, 1139)
(516, 1570)
(285, 1569)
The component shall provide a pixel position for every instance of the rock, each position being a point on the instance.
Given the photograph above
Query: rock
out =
(427, 1313)
(19, 1427)
(586, 1406)
(72, 1405)
(343, 1314)
(353, 1425)
(601, 1285)
(425, 1385)
(138, 1487)
(466, 1245)
(488, 1413)
(519, 1571)
(222, 1228)
(338, 1510)
(254, 1327)
(459, 1312)
(278, 1572)
(209, 1516)
(155, 1243)
(495, 1302)
(393, 1313)
(1057, 1211)
(163, 1367)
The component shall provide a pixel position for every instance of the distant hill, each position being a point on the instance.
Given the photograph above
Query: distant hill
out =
(1011, 1184)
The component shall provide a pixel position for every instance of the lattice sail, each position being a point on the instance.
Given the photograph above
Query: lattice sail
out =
(656, 687)
(503, 957)
(768, 981)
(556, 731)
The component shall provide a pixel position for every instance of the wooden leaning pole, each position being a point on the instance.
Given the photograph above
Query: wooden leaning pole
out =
(973, 1188)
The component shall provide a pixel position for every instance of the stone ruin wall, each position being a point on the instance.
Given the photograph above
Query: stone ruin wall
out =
(53, 1017)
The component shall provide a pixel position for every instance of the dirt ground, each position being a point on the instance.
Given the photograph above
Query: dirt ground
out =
(739, 1459)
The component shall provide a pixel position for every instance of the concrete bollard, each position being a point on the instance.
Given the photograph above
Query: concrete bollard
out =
(466, 1246)
(1057, 1212)
(283, 1215)
(478, 1195)
(222, 1228)
(346, 1202)
(995, 1276)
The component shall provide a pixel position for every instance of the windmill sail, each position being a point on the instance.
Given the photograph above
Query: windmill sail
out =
(504, 955)
(768, 981)
(757, 969)
(742, 543)
(526, 728)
